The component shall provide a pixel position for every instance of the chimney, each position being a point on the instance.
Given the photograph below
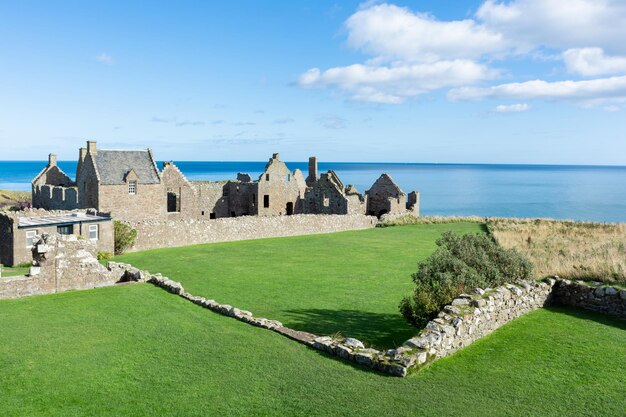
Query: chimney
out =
(91, 146)
(312, 171)
(52, 160)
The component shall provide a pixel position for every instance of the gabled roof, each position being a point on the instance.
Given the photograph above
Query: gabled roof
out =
(385, 182)
(114, 165)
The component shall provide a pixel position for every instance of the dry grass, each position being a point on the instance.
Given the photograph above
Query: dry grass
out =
(411, 219)
(13, 198)
(575, 250)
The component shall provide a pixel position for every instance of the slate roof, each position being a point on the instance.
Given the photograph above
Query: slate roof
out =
(113, 165)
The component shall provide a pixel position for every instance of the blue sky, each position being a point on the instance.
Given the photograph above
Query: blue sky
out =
(518, 81)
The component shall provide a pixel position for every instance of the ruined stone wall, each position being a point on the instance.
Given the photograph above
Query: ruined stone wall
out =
(163, 234)
(148, 202)
(241, 197)
(52, 197)
(62, 263)
(284, 189)
(53, 175)
(589, 296)
(211, 199)
(324, 197)
(7, 229)
(87, 182)
(175, 182)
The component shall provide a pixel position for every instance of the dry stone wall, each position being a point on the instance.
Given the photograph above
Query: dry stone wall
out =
(591, 296)
(184, 232)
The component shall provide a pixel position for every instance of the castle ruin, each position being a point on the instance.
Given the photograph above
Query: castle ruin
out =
(128, 185)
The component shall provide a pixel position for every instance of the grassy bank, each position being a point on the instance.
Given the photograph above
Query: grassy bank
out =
(574, 250)
(349, 282)
(13, 198)
(139, 351)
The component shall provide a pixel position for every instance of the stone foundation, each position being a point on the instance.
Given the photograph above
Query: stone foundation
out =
(64, 263)
(173, 233)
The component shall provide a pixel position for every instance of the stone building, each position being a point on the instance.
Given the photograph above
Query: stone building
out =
(18, 229)
(385, 197)
(128, 184)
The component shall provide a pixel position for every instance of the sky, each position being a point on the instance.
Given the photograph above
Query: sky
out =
(510, 81)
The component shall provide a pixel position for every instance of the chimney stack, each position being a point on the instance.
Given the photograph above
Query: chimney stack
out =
(312, 171)
(52, 159)
(91, 146)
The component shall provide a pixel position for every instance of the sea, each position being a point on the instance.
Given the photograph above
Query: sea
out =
(595, 193)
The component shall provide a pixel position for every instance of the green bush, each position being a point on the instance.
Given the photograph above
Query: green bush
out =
(105, 256)
(124, 237)
(461, 263)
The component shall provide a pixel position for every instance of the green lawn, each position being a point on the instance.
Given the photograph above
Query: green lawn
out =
(14, 271)
(349, 282)
(136, 350)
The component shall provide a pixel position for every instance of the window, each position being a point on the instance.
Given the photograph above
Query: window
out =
(65, 230)
(266, 201)
(30, 235)
(93, 232)
(288, 177)
(326, 202)
(212, 216)
(132, 187)
(173, 200)
(267, 177)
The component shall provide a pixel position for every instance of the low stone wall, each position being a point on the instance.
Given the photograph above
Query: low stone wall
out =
(173, 233)
(591, 296)
(63, 263)
(466, 320)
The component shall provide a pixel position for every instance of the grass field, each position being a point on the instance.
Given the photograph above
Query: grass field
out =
(349, 282)
(14, 271)
(574, 250)
(138, 351)
(14, 198)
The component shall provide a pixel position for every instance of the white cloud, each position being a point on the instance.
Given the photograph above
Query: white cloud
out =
(105, 58)
(283, 121)
(511, 108)
(558, 23)
(587, 92)
(612, 108)
(394, 84)
(331, 121)
(593, 61)
(392, 33)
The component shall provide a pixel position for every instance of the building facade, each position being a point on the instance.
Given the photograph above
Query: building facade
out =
(128, 185)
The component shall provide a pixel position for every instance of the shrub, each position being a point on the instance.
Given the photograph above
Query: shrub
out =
(124, 237)
(461, 263)
(105, 256)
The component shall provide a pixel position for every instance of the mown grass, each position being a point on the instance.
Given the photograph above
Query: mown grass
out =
(349, 282)
(139, 351)
(14, 271)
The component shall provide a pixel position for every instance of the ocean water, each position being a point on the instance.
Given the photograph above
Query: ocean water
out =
(564, 192)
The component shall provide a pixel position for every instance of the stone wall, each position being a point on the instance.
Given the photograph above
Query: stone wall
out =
(149, 202)
(591, 296)
(172, 233)
(63, 263)
(54, 197)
